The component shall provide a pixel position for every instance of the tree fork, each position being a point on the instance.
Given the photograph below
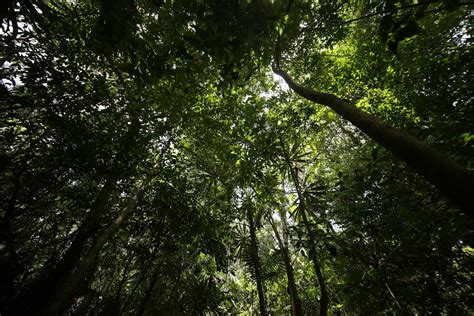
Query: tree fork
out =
(453, 180)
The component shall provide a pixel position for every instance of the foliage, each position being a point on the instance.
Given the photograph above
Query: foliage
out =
(157, 128)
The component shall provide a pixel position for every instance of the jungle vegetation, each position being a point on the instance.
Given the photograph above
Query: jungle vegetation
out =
(254, 157)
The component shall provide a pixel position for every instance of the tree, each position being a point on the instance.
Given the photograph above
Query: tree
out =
(152, 164)
(452, 179)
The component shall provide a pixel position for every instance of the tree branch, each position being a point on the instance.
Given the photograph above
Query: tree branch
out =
(454, 180)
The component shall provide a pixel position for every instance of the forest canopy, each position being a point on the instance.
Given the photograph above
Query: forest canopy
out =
(255, 157)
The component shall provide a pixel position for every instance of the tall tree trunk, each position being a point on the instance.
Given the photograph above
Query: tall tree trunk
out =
(453, 180)
(28, 303)
(64, 290)
(324, 301)
(256, 264)
(296, 307)
(88, 228)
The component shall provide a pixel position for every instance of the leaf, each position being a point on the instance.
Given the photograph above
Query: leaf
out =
(303, 253)
(467, 137)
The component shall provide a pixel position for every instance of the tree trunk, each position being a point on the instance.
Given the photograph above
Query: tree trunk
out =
(296, 307)
(88, 228)
(65, 289)
(324, 301)
(29, 302)
(256, 265)
(448, 176)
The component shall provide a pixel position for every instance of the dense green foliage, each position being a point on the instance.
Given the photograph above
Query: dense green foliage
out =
(152, 164)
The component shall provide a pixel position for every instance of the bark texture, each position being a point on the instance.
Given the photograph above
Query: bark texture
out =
(453, 180)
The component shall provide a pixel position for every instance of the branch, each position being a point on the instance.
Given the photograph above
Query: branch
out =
(451, 178)
(401, 8)
(318, 97)
(276, 53)
(386, 11)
